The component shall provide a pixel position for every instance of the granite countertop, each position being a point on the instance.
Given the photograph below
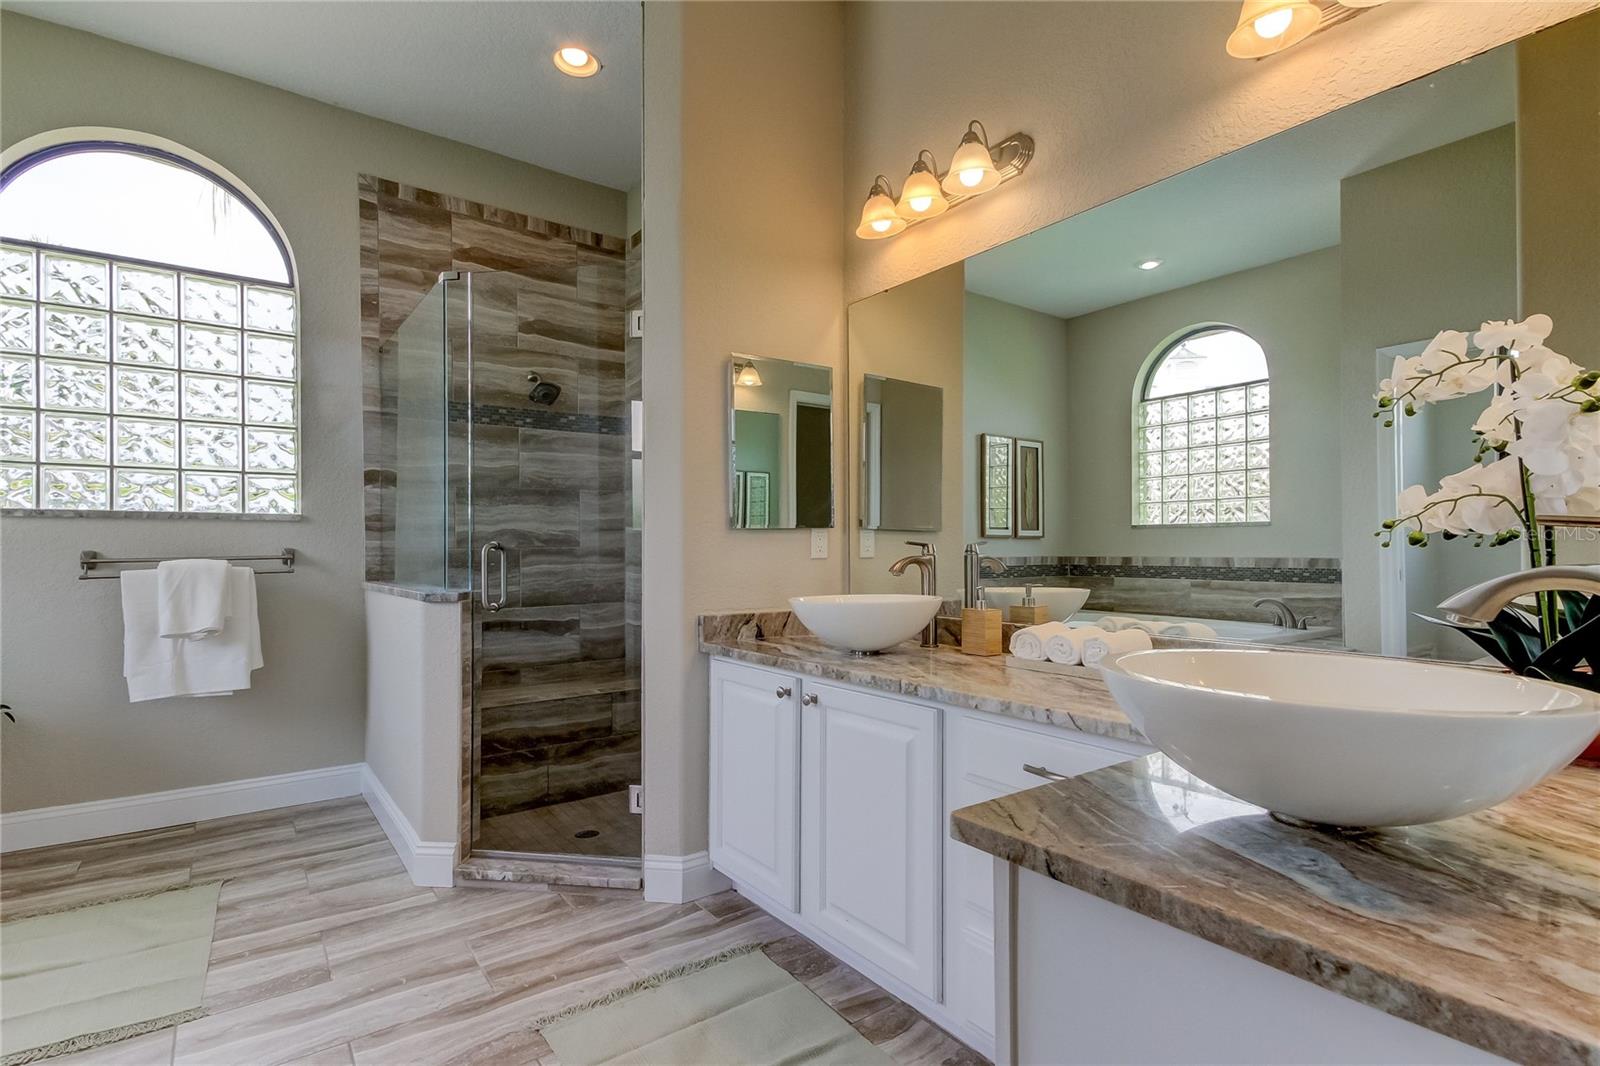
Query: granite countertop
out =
(425, 593)
(1076, 699)
(1485, 928)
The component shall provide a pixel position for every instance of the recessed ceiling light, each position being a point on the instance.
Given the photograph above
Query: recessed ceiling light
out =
(576, 62)
(1150, 264)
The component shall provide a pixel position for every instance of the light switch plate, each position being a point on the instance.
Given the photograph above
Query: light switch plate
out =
(869, 544)
(819, 544)
(635, 799)
(636, 324)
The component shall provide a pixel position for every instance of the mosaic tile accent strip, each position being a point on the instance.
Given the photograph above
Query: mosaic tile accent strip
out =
(539, 418)
(1299, 570)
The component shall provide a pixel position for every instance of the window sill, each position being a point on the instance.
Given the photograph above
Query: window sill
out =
(35, 512)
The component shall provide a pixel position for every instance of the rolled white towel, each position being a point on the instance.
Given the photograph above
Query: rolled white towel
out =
(1194, 630)
(1067, 648)
(1029, 643)
(1112, 623)
(1097, 650)
(1145, 626)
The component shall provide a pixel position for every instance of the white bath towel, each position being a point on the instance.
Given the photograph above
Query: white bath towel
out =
(158, 668)
(192, 597)
(1097, 650)
(1111, 623)
(1067, 648)
(1029, 643)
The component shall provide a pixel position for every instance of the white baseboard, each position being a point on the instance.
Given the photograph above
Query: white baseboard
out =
(431, 863)
(70, 822)
(681, 878)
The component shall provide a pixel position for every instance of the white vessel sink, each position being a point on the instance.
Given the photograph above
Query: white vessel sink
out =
(865, 623)
(1352, 740)
(1062, 603)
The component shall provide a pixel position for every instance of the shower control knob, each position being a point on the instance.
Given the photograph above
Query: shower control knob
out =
(784, 692)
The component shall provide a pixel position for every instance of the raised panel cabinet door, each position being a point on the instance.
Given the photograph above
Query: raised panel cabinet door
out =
(871, 828)
(755, 779)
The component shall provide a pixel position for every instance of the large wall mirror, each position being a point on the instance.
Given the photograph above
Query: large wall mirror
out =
(780, 444)
(1192, 367)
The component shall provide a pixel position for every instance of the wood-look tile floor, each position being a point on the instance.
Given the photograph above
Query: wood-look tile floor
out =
(555, 829)
(326, 953)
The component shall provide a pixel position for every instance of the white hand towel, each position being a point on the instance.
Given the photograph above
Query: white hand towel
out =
(1195, 630)
(1097, 650)
(192, 597)
(158, 668)
(148, 662)
(1067, 648)
(1029, 643)
(1112, 623)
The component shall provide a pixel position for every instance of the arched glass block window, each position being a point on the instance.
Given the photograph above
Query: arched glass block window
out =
(148, 338)
(1202, 447)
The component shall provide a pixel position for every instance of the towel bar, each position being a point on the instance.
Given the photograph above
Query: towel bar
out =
(88, 561)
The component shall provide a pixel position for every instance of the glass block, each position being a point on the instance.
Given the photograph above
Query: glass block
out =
(145, 291)
(16, 486)
(1177, 514)
(1175, 409)
(70, 279)
(1231, 402)
(1174, 462)
(1203, 433)
(268, 357)
(1150, 514)
(1150, 438)
(211, 398)
(1150, 490)
(1150, 464)
(1260, 424)
(216, 447)
(76, 439)
(1259, 453)
(1230, 483)
(269, 403)
(271, 495)
(1230, 430)
(1260, 511)
(17, 435)
(211, 492)
(73, 385)
(268, 309)
(1230, 511)
(1259, 483)
(1174, 488)
(146, 340)
(147, 490)
(145, 442)
(19, 380)
(272, 450)
(1202, 460)
(1175, 436)
(1203, 405)
(1260, 396)
(205, 300)
(1203, 487)
(1203, 512)
(215, 350)
(1230, 457)
(1150, 413)
(81, 334)
(65, 488)
(17, 277)
(147, 392)
(19, 326)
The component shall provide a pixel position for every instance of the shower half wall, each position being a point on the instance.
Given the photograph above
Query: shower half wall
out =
(556, 668)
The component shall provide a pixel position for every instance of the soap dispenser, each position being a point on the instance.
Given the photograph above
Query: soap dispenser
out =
(981, 629)
(1029, 612)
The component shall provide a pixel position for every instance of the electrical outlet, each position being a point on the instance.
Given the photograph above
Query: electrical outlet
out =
(635, 799)
(819, 544)
(869, 544)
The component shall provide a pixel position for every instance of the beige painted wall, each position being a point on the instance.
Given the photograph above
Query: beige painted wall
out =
(1015, 381)
(76, 737)
(745, 254)
(1117, 95)
(913, 333)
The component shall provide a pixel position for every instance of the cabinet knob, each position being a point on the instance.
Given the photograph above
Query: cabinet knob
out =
(784, 692)
(809, 699)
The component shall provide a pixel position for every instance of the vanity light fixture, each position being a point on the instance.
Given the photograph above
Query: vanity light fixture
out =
(1151, 264)
(1269, 26)
(921, 196)
(972, 168)
(576, 62)
(976, 168)
(879, 218)
(746, 375)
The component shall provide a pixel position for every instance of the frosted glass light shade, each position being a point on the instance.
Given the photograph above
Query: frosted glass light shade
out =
(921, 197)
(1269, 26)
(972, 169)
(878, 217)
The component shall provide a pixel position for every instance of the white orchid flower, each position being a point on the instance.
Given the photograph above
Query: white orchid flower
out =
(1515, 336)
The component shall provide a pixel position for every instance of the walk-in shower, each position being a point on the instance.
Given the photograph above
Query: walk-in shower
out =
(515, 460)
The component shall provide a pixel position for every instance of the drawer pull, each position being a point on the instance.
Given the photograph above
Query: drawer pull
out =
(784, 692)
(1044, 772)
(810, 699)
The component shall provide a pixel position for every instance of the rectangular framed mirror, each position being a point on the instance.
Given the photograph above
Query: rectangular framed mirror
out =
(780, 444)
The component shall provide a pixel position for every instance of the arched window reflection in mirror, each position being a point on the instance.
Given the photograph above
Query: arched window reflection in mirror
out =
(1202, 434)
(148, 338)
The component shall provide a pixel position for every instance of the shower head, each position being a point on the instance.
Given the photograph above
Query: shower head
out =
(544, 392)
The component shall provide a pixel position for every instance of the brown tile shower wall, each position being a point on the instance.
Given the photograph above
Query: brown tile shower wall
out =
(557, 668)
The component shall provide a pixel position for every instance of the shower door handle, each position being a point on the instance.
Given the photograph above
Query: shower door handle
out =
(483, 568)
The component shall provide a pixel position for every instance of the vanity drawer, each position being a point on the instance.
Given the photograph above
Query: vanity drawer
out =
(993, 751)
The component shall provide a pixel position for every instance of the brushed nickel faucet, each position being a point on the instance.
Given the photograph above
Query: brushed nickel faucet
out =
(928, 564)
(975, 568)
(1283, 614)
(1480, 603)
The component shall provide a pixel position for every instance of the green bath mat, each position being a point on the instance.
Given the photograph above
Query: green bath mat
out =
(105, 972)
(745, 1010)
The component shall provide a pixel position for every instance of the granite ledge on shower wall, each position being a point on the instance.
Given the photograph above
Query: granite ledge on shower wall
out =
(1077, 700)
(1483, 928)
(425, 593)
